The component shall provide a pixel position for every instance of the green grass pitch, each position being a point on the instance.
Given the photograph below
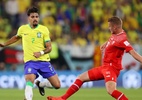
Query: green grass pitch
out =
(83, 94)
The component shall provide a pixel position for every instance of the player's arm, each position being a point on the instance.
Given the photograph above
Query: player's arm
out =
(137, 56)
(45, 51)
(102, 47)
(48, 47)
(10, 41)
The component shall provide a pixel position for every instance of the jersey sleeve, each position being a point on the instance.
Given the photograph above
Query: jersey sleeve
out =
(46, 35)
(19, 32)
(125, 45)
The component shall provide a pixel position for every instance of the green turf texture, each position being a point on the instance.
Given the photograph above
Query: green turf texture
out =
(82, 94)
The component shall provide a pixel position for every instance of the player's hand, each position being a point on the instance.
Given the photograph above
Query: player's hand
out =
(2, 45)
(102, 48)
(37, 54)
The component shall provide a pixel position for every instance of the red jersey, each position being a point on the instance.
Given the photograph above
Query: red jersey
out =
(115, 48)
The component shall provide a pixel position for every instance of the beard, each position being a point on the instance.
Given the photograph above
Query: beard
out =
(35, 25)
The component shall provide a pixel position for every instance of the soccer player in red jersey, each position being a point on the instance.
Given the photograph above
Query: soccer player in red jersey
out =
(113, 49)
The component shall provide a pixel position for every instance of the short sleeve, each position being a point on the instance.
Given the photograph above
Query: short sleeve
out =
(19, 32)
(46, 35)
(125, 45)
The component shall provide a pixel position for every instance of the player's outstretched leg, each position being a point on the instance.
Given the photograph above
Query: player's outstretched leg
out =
(119, 95)
(41, 89)
(71, 90)
(54, 98)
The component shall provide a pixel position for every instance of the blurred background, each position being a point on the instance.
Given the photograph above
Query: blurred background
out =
(77, 29)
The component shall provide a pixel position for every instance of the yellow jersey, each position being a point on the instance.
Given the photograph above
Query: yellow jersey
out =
(33, 40)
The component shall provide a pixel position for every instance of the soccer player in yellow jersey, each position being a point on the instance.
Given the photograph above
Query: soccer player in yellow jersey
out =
(36, 46)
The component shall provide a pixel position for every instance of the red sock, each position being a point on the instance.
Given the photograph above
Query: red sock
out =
(73, 88)
(118, 95)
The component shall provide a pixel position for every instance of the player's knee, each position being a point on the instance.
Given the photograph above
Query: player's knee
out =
(57, 86)
(110, 87)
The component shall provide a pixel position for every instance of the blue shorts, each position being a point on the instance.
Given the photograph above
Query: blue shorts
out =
(45, 69)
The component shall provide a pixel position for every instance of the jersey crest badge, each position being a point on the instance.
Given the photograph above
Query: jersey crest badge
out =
(29, 70)
(38, 35)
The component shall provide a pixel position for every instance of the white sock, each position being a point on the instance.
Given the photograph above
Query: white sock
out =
(45, 84)
(29, 91)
